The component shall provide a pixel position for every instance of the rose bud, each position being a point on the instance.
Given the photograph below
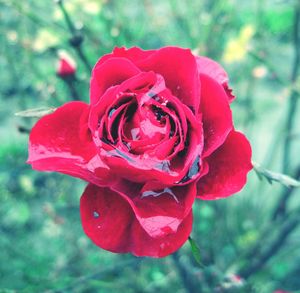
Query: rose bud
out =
(66, 65)
(158, 134)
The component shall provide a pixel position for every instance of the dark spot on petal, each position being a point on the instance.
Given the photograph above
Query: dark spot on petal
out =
(131, 110)
(111, 112)
(158, 112)
(151, 94)
(119, 154)
(96, 215)
(105, 140)
(192, 109)
(164, 166)
(194, 170)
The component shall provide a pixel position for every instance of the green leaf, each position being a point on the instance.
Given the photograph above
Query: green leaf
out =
(195, 250)
(277, 177)
(36, 112)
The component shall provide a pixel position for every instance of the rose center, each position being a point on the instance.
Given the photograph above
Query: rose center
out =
(146, 122)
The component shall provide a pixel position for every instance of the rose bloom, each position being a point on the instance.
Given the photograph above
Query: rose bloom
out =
(66, 65)
(157, 134)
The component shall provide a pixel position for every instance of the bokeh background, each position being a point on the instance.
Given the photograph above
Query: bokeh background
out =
(249, 242)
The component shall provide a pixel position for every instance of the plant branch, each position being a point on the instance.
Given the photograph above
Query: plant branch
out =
(256, 256)
(70, 81)
(272, 248)
(293, 99)
(100, 274)
(77, 38)
(24, 10)
(273, 176)
(186, 277)
(280, 210)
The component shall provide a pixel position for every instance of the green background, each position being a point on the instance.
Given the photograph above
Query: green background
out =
(42, 245)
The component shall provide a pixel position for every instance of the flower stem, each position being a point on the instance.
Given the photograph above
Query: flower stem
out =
(71, 83)
(280, 209)
(185, 276)
(76, 37)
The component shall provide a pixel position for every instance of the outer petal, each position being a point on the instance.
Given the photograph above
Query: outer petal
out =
(228, 168)
(216, 114)
(61, 142)
(134, 54)
(179, 68)
(110, 222)
(159, 212)
(109, 73)
(216, 72)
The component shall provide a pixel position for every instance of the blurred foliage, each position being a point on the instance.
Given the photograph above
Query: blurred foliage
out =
(43, 247)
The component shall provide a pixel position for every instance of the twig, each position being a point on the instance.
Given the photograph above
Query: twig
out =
(97, 275)
(259, 57)
(257, 256)
(277, 177)
(293, 101)
(185, 276)
(280, 209)
(77, 38)
(70, 81)
(26, 11)
(36, 112)
(271, 249)
(286, 83)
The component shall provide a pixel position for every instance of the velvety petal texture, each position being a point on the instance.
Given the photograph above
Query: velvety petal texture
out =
(216, 114)
(216, 72)
(159, 212)
(228, 168)
(110, 73)
(158, 133)
(108, 219)
(61, 142)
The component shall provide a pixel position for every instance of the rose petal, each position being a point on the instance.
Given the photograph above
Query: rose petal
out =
(165, 61)
(160, 212)
(228, 168)
(134, 54)
(144, 167)
(110, 73)
(60, 142)
(179, 68)
(113, 96)
(215, 71)
(216, 114)
(109, 221)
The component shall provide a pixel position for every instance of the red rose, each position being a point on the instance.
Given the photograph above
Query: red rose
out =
(66, 65)
(157, 134)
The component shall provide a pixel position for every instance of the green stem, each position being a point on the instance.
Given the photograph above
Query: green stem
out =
(71, 83)
(269, 250)
(280, 210)
(76, 39)
(186, 277)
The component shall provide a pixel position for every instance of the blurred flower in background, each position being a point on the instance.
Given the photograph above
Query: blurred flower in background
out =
(66, 65)
(236, 49)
